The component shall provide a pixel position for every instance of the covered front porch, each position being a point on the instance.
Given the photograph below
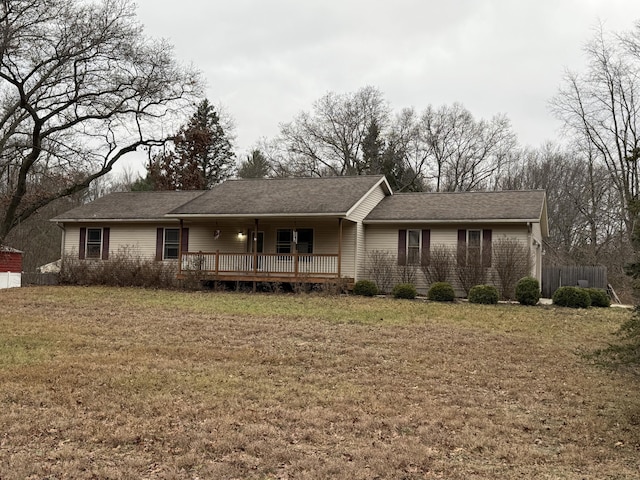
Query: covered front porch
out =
(267, 250)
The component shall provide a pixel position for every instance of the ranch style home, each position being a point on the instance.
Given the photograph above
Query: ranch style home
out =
(311, 230)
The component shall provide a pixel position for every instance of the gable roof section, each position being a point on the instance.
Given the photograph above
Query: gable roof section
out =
(282, 197)
(129, 206)
(461, 207)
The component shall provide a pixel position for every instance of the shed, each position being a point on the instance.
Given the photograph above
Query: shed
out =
(10, 267)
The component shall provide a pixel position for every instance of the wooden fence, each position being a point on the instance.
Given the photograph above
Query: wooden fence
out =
(587, 276)
(32, 278)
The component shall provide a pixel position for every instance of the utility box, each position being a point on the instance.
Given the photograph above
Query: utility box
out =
(10, 267)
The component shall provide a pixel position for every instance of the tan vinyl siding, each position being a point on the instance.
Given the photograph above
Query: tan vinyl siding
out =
(138, 240)
(349, 236)
(201, 237)
(355, 260)
(367, 204)
(385, 238)
(71, 240)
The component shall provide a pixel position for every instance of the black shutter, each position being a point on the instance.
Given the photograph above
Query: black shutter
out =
(83, 243)
(105, 243)
(184, 243)
(462, 248)
(426, 247)
(159, 243)
(486, 248)
(402, 247)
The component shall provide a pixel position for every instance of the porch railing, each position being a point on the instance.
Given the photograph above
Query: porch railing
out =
(261, 265)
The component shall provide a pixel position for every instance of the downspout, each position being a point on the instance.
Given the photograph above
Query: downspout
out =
(340, 248)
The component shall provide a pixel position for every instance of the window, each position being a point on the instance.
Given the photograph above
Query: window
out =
(94, 243)
(474, 245)
(171, 243)
(305, 240)
(413, 247)
(284, 239)
(302, 238)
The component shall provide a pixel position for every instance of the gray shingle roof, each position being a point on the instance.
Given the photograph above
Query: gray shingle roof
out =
(460, 206)
(281, 196)
(129, 206)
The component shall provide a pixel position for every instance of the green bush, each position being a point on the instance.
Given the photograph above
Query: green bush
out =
(599, 297)
(572, 297)
(366, 288)
(485, 294)
(404, 290)
(441, 292)
(528, 291)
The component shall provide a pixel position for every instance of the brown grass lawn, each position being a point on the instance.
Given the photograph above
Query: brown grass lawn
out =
(129, 384)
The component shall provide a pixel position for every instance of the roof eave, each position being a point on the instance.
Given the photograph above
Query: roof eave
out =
(453, 221)
(255, 215)
(103, 220)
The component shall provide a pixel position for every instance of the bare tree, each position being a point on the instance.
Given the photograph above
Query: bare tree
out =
(600, 109)
(80, 87)
(471, 272)
(439, 266)
(381, 269)
(463, 153)
(328, 140)
(512, 261)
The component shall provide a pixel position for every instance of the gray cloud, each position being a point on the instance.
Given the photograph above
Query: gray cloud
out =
(267, 60)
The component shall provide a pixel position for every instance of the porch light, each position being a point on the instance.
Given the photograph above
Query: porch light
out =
(240, 234)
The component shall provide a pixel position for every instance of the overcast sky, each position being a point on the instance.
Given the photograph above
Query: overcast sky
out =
(266, 60)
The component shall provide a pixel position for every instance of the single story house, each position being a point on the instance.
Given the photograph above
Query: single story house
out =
(302, 229)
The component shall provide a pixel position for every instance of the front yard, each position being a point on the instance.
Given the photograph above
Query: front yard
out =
(132, 383)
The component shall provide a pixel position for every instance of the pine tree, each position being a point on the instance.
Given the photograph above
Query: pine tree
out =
(255, 166)
(202, 156)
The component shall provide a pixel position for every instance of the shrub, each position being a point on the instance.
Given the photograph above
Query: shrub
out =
(471, 272)
(599, 297)
(404, 290)
(572, 297)
(485, 294)
(511, 260)
(441, 292)
(528, 291)
(381, 268)
(125, 268)
(438, 264)
(366, 288)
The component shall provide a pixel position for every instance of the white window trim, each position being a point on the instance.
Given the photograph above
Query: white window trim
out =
(408, 248)
(164, 243)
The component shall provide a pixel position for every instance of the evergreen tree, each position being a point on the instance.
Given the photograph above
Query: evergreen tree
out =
(372, 147)
(202, 156)
(255, 166)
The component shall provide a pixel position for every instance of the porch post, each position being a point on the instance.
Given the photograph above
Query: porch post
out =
(339, 247)
(254, 245)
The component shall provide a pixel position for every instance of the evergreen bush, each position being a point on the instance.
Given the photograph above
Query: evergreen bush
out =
(404, 290)
(441, 292)
(599, 297)
(573, 297)
(484, 294)
(366, 288)
(528, 291)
